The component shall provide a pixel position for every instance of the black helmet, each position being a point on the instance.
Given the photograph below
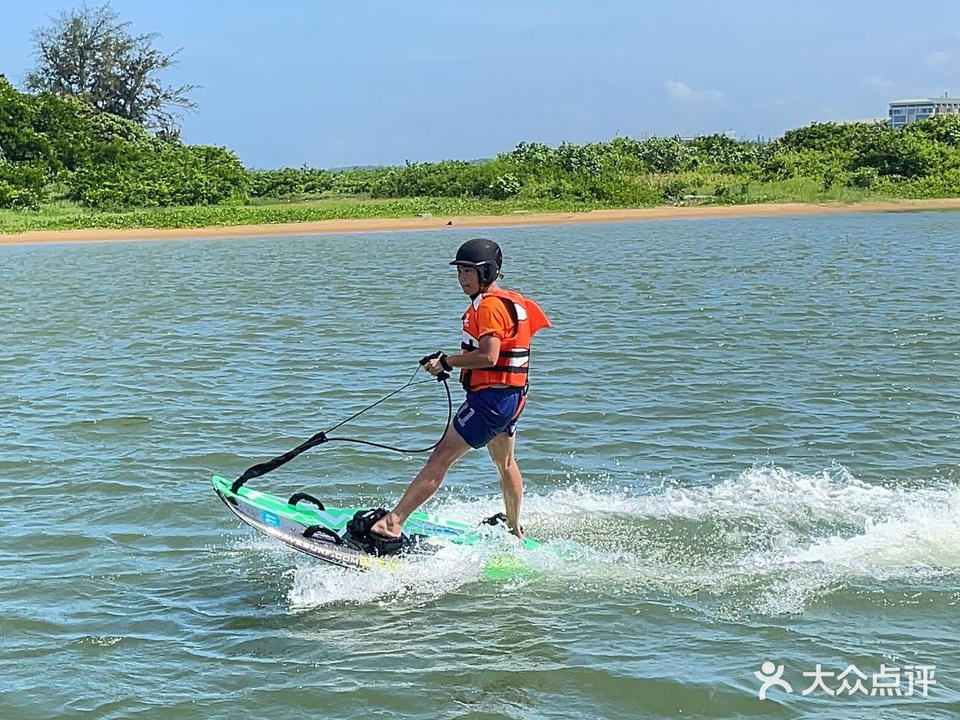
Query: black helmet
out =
(484, 255)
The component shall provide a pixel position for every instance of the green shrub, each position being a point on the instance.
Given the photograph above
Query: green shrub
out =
(505, 186)
(828, 137)
(667, 155)
(933, 186)
(22, 185)
(726, 155)
(942, 129)
(186, 175)
(674, 190)
(903, 154)
(865, 178)
(788, 164)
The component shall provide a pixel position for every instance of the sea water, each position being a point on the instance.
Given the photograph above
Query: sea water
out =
(742, 438)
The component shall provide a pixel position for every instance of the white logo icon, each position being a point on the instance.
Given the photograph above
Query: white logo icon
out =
(886, 683)
(769, 675)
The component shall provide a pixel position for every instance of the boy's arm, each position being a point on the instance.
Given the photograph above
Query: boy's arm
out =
(485, 357)
(493, 319)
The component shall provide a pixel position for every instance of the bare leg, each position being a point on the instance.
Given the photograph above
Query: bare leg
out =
(511, 482)
(425, 484)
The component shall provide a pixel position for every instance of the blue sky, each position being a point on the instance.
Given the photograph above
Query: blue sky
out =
(382, 81)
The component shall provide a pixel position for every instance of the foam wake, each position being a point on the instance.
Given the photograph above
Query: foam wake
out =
(769, 540)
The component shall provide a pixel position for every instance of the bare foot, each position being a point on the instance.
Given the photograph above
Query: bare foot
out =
(389, 526)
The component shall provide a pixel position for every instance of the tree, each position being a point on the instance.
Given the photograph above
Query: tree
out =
(90, 54)
(903, 154)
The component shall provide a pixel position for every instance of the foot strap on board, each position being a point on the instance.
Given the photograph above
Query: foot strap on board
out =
(360, 533)
(312, 530)
(498, 519)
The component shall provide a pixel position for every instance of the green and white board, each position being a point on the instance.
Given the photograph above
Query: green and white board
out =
(305, 524)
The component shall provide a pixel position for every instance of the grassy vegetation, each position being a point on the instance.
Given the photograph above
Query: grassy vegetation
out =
(65, 215)
(63, 165)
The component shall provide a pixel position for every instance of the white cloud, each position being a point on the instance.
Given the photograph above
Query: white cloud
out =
(773, 104)
(677, 90)
(937, 59)
(682, 93)
(879, 83)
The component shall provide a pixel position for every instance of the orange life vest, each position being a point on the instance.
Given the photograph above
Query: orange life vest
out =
(513, 365)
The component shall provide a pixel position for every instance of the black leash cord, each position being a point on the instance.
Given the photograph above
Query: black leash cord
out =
(322, 437)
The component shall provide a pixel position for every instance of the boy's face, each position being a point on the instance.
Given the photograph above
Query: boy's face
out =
(469, 280)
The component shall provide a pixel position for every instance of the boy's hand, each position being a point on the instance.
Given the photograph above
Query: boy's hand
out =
(434, 367)
(437, 365)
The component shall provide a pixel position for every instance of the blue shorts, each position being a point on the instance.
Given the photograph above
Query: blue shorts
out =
(487, 413)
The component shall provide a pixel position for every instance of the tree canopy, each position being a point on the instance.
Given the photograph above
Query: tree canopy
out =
(90, 54)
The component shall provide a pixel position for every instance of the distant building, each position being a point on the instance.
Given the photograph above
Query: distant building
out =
(904, 112)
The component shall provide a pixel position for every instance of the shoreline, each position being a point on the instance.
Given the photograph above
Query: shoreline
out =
(668, 212)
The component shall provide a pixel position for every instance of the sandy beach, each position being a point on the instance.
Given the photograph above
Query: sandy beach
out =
(475, 221)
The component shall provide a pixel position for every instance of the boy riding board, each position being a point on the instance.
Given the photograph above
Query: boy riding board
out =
(497, 328)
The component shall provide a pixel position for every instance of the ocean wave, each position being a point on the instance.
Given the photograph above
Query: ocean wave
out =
(769, 540)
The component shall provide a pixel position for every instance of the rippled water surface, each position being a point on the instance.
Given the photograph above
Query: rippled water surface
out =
(744, 433)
